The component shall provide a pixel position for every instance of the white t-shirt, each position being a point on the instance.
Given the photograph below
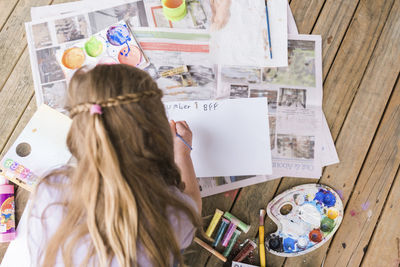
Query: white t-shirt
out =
(33, 232)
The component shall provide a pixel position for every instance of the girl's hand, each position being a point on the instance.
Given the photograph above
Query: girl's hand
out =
(181, 128)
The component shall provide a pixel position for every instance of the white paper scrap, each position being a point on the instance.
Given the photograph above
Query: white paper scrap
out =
(230, 137)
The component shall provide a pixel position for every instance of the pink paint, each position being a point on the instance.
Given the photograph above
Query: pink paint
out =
(353, 213)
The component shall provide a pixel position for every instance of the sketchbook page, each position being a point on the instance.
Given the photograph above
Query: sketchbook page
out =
(329, 153)
(40, 148)
(230, 137)
(243, 40)
(292, 27)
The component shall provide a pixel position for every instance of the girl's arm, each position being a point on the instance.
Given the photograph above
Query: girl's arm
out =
(184, 160)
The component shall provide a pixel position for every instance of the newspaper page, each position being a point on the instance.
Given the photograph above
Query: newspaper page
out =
(295, 115)
(180, 62)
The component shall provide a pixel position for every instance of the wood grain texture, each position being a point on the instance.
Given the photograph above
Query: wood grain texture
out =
(12, 36)
(6, 8)
(351, 61)
(15, 96)
(361, 123)
(306, 13)
(332, 24)
(370, 192)
(384, 247)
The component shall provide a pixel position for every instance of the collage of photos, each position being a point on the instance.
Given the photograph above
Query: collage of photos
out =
(292, 98)
(45, 38)
(291, 146)
(301, 70)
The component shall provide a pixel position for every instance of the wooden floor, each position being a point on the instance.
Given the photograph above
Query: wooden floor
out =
(361, 64)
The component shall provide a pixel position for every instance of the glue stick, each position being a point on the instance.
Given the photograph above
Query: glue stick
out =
(7, 209)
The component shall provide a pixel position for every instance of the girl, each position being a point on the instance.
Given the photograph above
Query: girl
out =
(132, 197)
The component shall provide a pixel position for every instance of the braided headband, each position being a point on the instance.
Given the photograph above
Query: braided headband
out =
(97, 107)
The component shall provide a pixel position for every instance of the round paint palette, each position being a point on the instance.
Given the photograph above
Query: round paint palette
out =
(307, 216)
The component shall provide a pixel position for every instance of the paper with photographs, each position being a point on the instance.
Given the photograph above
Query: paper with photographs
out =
(216, 151)
(295, 116)
(40, 148)
(240, 33)
(61, 26)
(114, 45)
(180, 62)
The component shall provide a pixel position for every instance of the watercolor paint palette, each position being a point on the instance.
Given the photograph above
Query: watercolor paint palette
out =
(113, 45)
(307, 216)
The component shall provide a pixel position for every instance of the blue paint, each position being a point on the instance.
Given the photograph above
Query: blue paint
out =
(119, 35)
(326, 197)
(289, 244)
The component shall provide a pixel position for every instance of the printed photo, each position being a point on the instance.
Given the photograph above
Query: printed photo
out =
(133, 13)
(49, 69)
(272, 131)
(41, 35)
(239, 91)
(55, 95)
(301, 68)
(195, 9)
(240, 75)
(159, 19)
(239, 178)
(290, 146)
(183, 79)
(71, 29)
(210, 182)
(202, 75)
(293, 98)
(272, 96)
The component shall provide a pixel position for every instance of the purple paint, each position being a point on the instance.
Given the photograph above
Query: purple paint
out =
(365, 205)
(228, 234)
(119, 35)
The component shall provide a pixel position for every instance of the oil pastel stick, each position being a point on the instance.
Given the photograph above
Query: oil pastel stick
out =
(244, 227)
(231, 229)
(213, 224)
(222, 227)
(210, 249)
(232, 242)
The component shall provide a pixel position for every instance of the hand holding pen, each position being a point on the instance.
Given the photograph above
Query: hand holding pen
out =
(182, 136)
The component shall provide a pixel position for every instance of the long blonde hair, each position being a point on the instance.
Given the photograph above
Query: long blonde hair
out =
(118, 192)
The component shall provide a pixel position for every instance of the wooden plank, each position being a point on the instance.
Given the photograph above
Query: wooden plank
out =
(332, 24)
(12, 36)
(370, 192)
(351, 61)
(6, 8)
(15, 97)
(306, 13)
(384, 247)
(360, 126)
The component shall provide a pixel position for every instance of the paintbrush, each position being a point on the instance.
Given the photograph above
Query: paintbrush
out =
(269, 31)
(261, 238)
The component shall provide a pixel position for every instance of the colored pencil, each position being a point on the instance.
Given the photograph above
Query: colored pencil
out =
(183, 140)
(269, 31)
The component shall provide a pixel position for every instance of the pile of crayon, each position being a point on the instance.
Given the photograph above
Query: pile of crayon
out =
(226, 236)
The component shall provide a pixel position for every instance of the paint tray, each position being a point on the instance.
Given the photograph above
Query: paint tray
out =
(113, 45)
(40, 148)
(307, 216)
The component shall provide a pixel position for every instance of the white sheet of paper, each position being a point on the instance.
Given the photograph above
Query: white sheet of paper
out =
(230, 137)
(244, 39)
